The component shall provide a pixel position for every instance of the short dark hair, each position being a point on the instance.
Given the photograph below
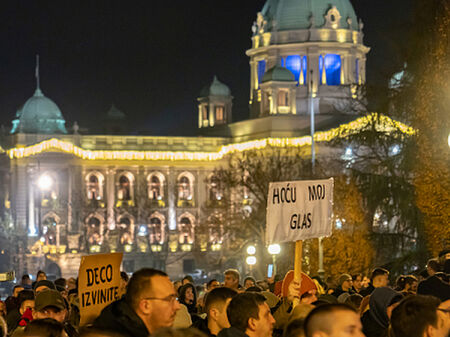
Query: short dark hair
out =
(243, 307)
(40, 272)
(25, 277)
(233, 272)
(60, 282)
(139, 284)
(210, 282)
(250, 278)
(218, 295)
(355, 276)
(378, 272)
(254, 289)
(315, 319)
(189, 278)
(411, 317)
(124, 276)
(434, 264)
(294, 328)
(25, 295)
(44, 327)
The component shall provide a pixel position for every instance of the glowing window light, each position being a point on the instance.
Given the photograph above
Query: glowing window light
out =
(261, 69)
(294, 64)
(332, 65)
(274, 249)
(338, 224)
(142, 230)
(251, 250)
(45, 182)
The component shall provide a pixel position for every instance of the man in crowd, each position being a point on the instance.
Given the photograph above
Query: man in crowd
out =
(12, 302)
(150, 303)
(379, 278)
(357, 282)
(212, 284)
(26, 281)
(43, 285)
(333, 320)
(421, 316)
(232, 277)
(249, 282)
(344, 285)
(216, 304)
(26, 301)
(248, 315)
(432, 267)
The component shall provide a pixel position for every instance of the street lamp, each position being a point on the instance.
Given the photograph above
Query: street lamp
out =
(251, 250)
(251, 260)
(274, 249)
(45, 182)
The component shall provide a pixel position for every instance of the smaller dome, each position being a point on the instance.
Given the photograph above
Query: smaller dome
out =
(216, 88)
(278, 74)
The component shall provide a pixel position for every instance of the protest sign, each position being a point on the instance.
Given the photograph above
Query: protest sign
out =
(299, 210)
(98, 284)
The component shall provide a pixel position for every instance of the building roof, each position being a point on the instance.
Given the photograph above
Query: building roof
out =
(279, 74)
(296, 14)
(39, 114)
(216, 88)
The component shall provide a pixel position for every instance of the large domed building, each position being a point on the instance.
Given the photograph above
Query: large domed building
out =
(68, 194)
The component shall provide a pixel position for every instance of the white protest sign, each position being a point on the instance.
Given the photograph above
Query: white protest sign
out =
(299, 210)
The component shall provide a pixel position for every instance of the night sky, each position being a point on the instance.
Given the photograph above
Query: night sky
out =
(151, 58)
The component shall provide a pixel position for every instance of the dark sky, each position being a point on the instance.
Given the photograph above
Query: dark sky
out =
(151, 58)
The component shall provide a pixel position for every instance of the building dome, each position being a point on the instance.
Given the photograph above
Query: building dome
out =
(216, 88)
(302, 14)
(278, 74)
(39, 114)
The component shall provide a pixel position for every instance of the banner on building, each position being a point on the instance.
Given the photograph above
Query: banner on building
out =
(98, 284)
(299, 210)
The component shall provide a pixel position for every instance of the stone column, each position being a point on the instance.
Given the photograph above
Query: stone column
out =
(110, 198)
(31, 228)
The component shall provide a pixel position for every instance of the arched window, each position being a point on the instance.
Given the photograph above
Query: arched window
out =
(94, 186)
(93, 230)
(215, 189)
(125, 186)
(155, 186)
(186, 229)
(125, 230)
(185, 186)
(220, 114)
(283, 98)
(156, 229)
(332, 64)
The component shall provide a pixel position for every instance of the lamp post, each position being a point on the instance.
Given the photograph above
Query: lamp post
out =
(251, 258)
(274, 249)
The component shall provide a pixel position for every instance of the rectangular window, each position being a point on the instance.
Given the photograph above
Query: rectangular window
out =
(357, 71)
(205, 112)
(261, 69)
(332, 64)
(219, 114)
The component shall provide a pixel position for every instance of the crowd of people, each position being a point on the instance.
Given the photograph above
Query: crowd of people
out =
(153, 305)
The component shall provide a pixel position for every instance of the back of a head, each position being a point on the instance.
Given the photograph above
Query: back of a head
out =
(295, 328)
(218, 297)
(188, 278)
(47, 327)
(184, 332)
(378, 272)
(139, 284)
(243, 307)
(411, 317)
(321, 318)
(433, 264)
(93, 332)
(25, 295)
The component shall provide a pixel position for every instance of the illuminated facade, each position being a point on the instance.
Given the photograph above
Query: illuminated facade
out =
(68, 194)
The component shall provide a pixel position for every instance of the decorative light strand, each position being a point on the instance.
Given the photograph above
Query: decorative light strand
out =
(385, 124)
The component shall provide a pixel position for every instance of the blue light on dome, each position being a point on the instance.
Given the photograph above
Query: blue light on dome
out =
(261, 69)
(357, 70)
(332, 69)
(304, 68)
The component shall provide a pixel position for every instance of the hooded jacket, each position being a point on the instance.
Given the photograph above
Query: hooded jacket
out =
(375, 321)
(119, 317)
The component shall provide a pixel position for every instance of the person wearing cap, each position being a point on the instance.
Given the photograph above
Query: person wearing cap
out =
(50, 304)
(344, 285)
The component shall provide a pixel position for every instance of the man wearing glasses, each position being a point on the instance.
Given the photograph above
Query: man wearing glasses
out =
(150, 303)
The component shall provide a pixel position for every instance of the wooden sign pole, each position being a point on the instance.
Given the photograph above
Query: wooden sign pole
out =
(298, 266)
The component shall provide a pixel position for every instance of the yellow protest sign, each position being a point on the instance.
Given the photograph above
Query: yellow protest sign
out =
(98, 284)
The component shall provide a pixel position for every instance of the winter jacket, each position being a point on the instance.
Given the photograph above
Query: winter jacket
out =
(202, 325)
(119, 317)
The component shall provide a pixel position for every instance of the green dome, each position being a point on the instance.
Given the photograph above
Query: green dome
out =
(115, 113)
(279, 74)
(216, 88)
(296, 14)
(39, 114)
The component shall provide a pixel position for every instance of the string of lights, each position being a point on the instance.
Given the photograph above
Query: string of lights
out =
(383, 124)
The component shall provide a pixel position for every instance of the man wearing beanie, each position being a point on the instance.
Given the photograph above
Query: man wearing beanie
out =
(345, 284)
(43, 285)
